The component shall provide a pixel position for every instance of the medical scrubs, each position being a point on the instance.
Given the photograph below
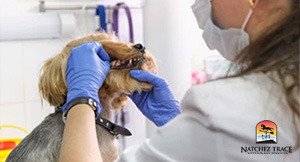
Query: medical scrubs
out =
(218, 119)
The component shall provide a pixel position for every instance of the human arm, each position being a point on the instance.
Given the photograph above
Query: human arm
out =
(79, 140)
(87, 67)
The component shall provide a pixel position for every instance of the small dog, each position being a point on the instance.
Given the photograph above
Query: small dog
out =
(44, 142)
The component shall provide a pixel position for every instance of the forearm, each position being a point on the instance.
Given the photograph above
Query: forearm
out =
(80, 142)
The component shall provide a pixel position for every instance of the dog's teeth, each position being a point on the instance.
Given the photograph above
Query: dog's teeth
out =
(113, 63)
(130, 61)
(118, 63)
(134, 59)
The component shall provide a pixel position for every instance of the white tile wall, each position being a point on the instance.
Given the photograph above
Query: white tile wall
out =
(11, 72)
(35, 54)
(35, 112)
(20, 63)
(12, 114)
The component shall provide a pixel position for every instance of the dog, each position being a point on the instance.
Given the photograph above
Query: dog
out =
(44, 142)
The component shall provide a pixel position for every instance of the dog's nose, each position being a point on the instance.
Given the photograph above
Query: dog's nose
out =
(140, 48)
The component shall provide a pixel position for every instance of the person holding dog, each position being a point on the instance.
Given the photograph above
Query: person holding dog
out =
(260, 37)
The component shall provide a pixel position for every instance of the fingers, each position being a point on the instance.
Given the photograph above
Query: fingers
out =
(133, 96)
(100, 51)
(92, 47)
(145, 76)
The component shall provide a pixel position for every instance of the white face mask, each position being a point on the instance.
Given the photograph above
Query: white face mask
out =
(228, 42)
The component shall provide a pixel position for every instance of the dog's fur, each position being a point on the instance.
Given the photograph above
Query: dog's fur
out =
(44, 142)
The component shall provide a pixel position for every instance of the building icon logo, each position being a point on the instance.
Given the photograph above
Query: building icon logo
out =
(266, 132)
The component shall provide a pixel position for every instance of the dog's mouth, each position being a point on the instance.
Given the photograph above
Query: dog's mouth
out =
(135, 62)
(125, 64)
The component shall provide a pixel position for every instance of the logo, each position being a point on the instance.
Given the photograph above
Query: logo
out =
(266, 132)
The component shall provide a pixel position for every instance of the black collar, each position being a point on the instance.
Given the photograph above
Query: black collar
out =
(111, 127)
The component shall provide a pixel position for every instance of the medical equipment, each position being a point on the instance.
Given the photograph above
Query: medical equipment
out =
(116, 19)
(102, 16)
(69, 6)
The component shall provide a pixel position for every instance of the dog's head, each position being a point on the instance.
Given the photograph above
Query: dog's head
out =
(118, 83)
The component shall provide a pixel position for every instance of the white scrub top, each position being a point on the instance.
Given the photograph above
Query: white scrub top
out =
(218, 118)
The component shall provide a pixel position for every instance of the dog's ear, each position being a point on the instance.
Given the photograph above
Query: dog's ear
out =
(52, 83)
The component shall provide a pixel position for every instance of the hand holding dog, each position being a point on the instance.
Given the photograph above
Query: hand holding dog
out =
(87, 67)
(158, 105)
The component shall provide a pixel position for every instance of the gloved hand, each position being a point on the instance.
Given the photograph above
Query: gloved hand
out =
(159, 105)
(87, 67)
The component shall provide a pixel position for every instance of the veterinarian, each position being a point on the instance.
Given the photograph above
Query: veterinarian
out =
(260, 37)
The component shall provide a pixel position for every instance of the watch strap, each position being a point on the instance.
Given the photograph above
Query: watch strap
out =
(82, 100)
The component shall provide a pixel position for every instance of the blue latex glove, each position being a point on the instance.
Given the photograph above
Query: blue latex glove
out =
(87, 67)
(158, 105)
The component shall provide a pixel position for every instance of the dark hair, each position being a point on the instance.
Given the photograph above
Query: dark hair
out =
(276, 51)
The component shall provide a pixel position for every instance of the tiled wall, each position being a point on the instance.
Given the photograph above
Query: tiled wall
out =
(20, 63)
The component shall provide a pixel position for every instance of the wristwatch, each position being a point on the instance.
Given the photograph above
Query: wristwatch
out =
(82, 100)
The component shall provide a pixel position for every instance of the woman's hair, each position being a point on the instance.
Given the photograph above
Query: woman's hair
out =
(276, 51)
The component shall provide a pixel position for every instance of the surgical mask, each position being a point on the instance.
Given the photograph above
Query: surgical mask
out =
(228, 42)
